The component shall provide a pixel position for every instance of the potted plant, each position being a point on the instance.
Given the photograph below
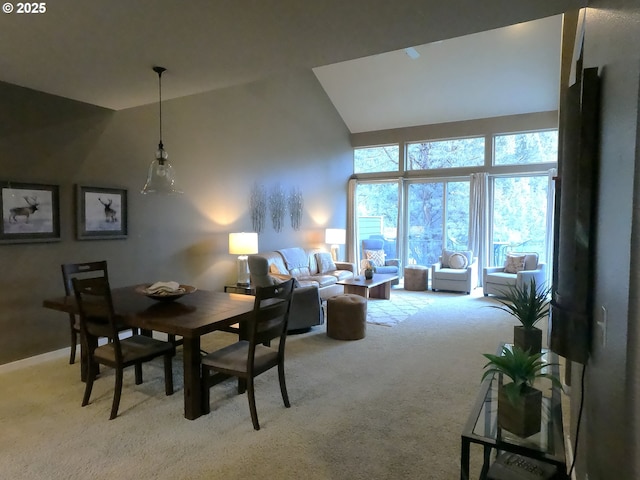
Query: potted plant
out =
(368, 271)
(529, 304)
(519, 403)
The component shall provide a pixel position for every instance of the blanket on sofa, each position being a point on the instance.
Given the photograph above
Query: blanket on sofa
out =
(296, 260)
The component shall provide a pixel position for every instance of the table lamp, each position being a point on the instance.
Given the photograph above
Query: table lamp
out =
(243, 244)
(335, 237)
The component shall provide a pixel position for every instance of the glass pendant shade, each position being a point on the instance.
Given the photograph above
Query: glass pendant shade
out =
(161, 176)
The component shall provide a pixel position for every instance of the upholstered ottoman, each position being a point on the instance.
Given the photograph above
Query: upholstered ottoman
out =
(416, 277)
(346, 317)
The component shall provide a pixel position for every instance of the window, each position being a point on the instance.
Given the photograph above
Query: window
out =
(377, 212)
(526, 148)
(376, 159)
(461, 152)
(519, 216)
(419, 199)
(438, 219)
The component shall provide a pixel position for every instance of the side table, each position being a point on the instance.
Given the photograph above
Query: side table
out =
(482, 428)
(416, 278)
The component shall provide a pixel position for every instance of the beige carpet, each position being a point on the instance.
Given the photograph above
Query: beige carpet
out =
(390, 406)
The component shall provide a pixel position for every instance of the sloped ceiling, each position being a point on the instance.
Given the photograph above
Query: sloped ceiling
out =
(505, 71)
(102, 51)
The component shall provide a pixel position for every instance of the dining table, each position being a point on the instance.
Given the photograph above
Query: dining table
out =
(190, 317)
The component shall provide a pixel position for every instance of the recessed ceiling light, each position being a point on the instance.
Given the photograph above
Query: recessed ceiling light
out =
(411, 53)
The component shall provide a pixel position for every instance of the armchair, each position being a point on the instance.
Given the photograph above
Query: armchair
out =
(519, 269)
(456, 271)
(373, 252)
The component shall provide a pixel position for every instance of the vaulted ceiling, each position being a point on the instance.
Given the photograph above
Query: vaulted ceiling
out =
(102, 51)
(505, 71)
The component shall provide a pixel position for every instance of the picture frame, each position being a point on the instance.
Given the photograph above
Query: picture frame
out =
(101, 213)
(30, 212)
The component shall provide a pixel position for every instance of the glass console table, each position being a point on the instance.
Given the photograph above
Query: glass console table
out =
(482, 427)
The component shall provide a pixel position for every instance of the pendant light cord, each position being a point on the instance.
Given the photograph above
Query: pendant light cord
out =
(159, 71)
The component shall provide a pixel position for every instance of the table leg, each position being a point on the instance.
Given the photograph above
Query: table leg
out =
(487, 462)
(464, 459)
(357, 290)
(192, 378)
(381, 291)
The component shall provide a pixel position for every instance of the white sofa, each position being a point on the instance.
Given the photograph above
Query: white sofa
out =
(498, 280)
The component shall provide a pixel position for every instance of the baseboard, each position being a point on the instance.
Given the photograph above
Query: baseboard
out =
(35, 360)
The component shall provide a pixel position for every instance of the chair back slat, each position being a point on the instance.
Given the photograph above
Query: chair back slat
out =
(95, 309)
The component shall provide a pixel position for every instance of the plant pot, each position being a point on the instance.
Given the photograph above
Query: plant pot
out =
(527, 338)
(368, 274)
(522, 418)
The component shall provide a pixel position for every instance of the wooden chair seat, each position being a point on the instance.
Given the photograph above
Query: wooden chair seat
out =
(233, 358)
(137, 348)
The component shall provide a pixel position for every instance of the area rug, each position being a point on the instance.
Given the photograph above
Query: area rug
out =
(402, 304)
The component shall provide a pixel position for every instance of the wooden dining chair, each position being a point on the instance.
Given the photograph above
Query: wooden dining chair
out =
(250, 356)
(98, 319)
(81, 270)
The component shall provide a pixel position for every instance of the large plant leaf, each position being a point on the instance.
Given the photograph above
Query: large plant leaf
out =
(521, 366)
(528, 303)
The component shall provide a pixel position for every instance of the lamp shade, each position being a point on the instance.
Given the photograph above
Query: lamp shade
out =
(336, 236)
(244, 243)
(161, 176)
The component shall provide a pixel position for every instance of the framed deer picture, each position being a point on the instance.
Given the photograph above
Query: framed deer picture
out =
(101, 213)
(30, 212)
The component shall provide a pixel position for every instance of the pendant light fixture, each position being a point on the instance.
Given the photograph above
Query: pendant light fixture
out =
(161, 176)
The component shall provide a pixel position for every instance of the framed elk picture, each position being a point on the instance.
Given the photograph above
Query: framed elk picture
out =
(101, 213)
(30, 212)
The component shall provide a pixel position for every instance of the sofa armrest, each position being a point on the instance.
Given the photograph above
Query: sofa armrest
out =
(473, 267)
(392, 261)
(346, 266)
(525, 276)
(436, 267)
(306, 308)
(493, 270)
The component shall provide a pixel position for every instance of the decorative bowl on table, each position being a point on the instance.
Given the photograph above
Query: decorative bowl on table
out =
(165, 291)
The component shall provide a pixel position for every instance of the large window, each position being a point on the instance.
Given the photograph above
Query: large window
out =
(526, 148)
(438, 218)
(411, 194)
(461, 152)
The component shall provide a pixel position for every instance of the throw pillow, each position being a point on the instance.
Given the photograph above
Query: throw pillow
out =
(514, 263)
(376, 257)
(444, 260)
(458, 260)
(325, 262)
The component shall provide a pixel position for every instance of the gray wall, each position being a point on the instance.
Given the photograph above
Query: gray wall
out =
(283, 130)
(609, 445)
